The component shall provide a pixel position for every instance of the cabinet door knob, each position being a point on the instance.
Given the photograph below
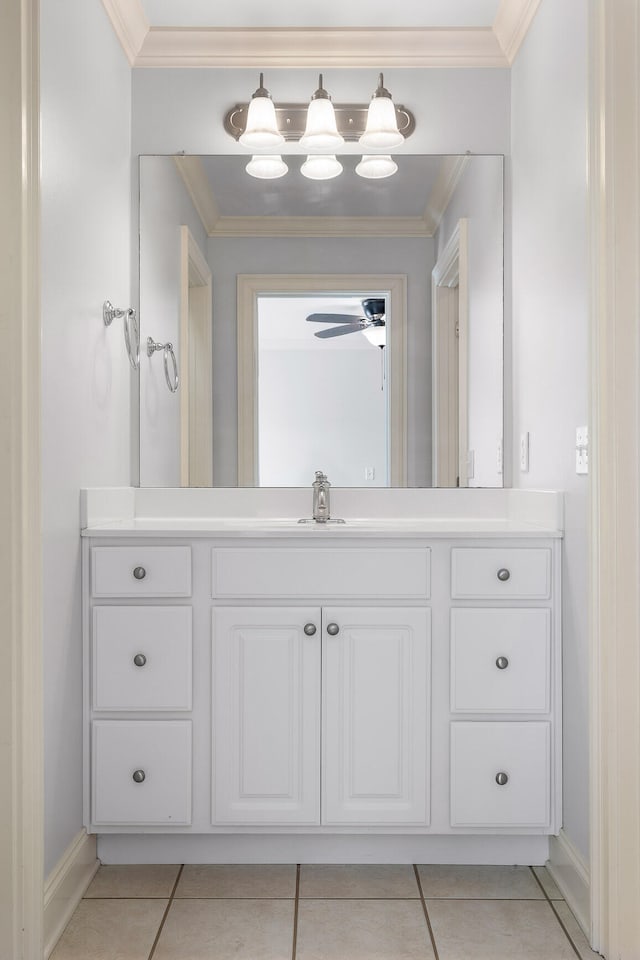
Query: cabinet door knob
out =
(502, 663)
(139, 573)
(333, 629)
(501, 779)
(310, 629)
(504, 574)
(139, 776)
(139, 659)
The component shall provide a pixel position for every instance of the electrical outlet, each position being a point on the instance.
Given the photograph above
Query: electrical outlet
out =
(369, 473)
(499, 456)
(582, 450)
(524, 452)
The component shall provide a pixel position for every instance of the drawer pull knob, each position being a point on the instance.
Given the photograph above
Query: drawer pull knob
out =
(502, 663)
(501, 779)
(139, 776)
(310, 629)
(139, 659)
(333, 629)
(504, 574)
(139, 573)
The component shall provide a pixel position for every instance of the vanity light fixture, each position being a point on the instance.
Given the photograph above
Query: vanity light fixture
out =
(261, 130)
(376, 167)
(266, 167)
(321, 167)
(321, 132)
(261, 125)
(382, 126)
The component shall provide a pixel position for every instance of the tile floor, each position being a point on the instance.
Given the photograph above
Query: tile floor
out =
(322, 912)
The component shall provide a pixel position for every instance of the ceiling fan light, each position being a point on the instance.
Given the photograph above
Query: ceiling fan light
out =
(261, 131)
(321, 167)
(381, 131)
(266, 167)
(321, 131)
(376, 167)
(376, 334)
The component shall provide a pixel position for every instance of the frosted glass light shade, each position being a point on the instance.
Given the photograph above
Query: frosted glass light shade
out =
(321, 132)
(266, 167)
(381, 131)
(376, 335)
(376, 167)
(320, 167)
(261, 132)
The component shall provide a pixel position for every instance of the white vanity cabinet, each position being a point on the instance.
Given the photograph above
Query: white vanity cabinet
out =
(322, 683)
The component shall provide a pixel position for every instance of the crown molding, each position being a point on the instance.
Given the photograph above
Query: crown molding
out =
(449, 174)
(378, 227)
(512, 22)
(375, 47)
(130, 23)
(192, 171)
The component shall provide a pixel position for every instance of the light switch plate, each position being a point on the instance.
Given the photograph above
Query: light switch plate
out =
(582, 450)
(524, 452)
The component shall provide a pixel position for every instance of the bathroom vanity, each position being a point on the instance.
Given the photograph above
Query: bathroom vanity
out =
(368, 690)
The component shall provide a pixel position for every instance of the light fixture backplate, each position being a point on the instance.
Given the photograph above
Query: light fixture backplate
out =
(351, 120)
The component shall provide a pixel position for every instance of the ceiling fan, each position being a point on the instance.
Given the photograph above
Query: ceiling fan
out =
(374, 309)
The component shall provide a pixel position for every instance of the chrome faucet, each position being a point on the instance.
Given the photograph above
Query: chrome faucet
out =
(321, 504)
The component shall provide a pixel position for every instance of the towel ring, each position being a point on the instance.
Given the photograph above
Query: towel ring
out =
(171, 378)
(131, 329)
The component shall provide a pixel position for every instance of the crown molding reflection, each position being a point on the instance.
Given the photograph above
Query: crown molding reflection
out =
(371, 47)
(192, 171)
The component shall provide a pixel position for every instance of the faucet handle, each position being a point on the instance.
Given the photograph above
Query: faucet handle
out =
(321, 477)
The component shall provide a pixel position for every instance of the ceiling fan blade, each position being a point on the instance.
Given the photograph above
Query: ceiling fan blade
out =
(332, 318)
(339, 331)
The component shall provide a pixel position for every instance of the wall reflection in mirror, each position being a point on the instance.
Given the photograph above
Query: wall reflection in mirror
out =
(265, 290)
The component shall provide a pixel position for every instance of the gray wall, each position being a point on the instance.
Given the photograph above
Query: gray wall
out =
(178, 110)
(86, 258)
(550, 329)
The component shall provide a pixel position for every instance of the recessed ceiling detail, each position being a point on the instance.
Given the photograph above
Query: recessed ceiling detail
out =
(372, 45)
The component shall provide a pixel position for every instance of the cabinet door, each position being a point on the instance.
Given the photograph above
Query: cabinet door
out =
(376, 667)
(266, 715)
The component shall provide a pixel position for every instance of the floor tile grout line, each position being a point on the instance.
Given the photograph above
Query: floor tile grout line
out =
(426, 912)
(556, 914)
(166, 913)
(294, 945)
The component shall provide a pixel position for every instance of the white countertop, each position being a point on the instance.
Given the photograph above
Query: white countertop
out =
(404, 514)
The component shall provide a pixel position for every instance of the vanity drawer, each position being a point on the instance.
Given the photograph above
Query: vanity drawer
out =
(482, 752)
(500, 660)
(280, 572)
(141, 658)
(158, 754)
(494, 573)
(141, 571)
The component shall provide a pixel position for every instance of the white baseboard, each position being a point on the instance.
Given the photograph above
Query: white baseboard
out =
(65, 886)
(571, 873)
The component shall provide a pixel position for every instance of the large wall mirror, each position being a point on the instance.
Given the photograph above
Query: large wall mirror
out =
(351, 325)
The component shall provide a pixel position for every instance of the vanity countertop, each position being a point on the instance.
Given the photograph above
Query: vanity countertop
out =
(245, 513)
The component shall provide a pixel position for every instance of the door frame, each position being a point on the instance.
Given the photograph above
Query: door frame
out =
(21, 690)
(196, 372)
(450, 274)
(253, 286)
(614, 539)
